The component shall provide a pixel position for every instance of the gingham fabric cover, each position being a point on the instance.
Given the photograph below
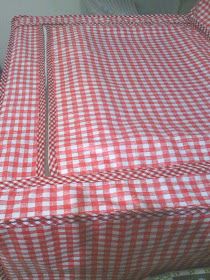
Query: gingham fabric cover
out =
(22, 107)
(127, 93)
(133, 214)
(200, 13)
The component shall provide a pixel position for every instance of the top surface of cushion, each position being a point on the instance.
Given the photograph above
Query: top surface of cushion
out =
(127, 92)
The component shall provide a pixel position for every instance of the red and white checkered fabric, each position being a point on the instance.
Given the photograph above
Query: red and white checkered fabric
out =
(22, 107)
(100, 198)
(114, 230)
(201, 14)
(129, 191)
(127, 95)
(129, 247)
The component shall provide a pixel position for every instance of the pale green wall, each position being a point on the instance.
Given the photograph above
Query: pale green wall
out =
(164, 6)
(157, 6)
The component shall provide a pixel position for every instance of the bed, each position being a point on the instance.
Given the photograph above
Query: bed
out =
(105, 166)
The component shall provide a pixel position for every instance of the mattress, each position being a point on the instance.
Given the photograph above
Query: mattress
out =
(113, 178)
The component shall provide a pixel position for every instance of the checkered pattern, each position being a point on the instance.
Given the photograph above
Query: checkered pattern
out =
(128, 248)
(201, 14)
(97, 20)
(22, 116)
(116, 230)
(105, 197)
(127, 96)
(125, 174)
(128, 194)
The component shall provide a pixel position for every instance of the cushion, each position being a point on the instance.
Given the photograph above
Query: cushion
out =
(125, 191)
(128, 93)
(200, 14)
(22, 107)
